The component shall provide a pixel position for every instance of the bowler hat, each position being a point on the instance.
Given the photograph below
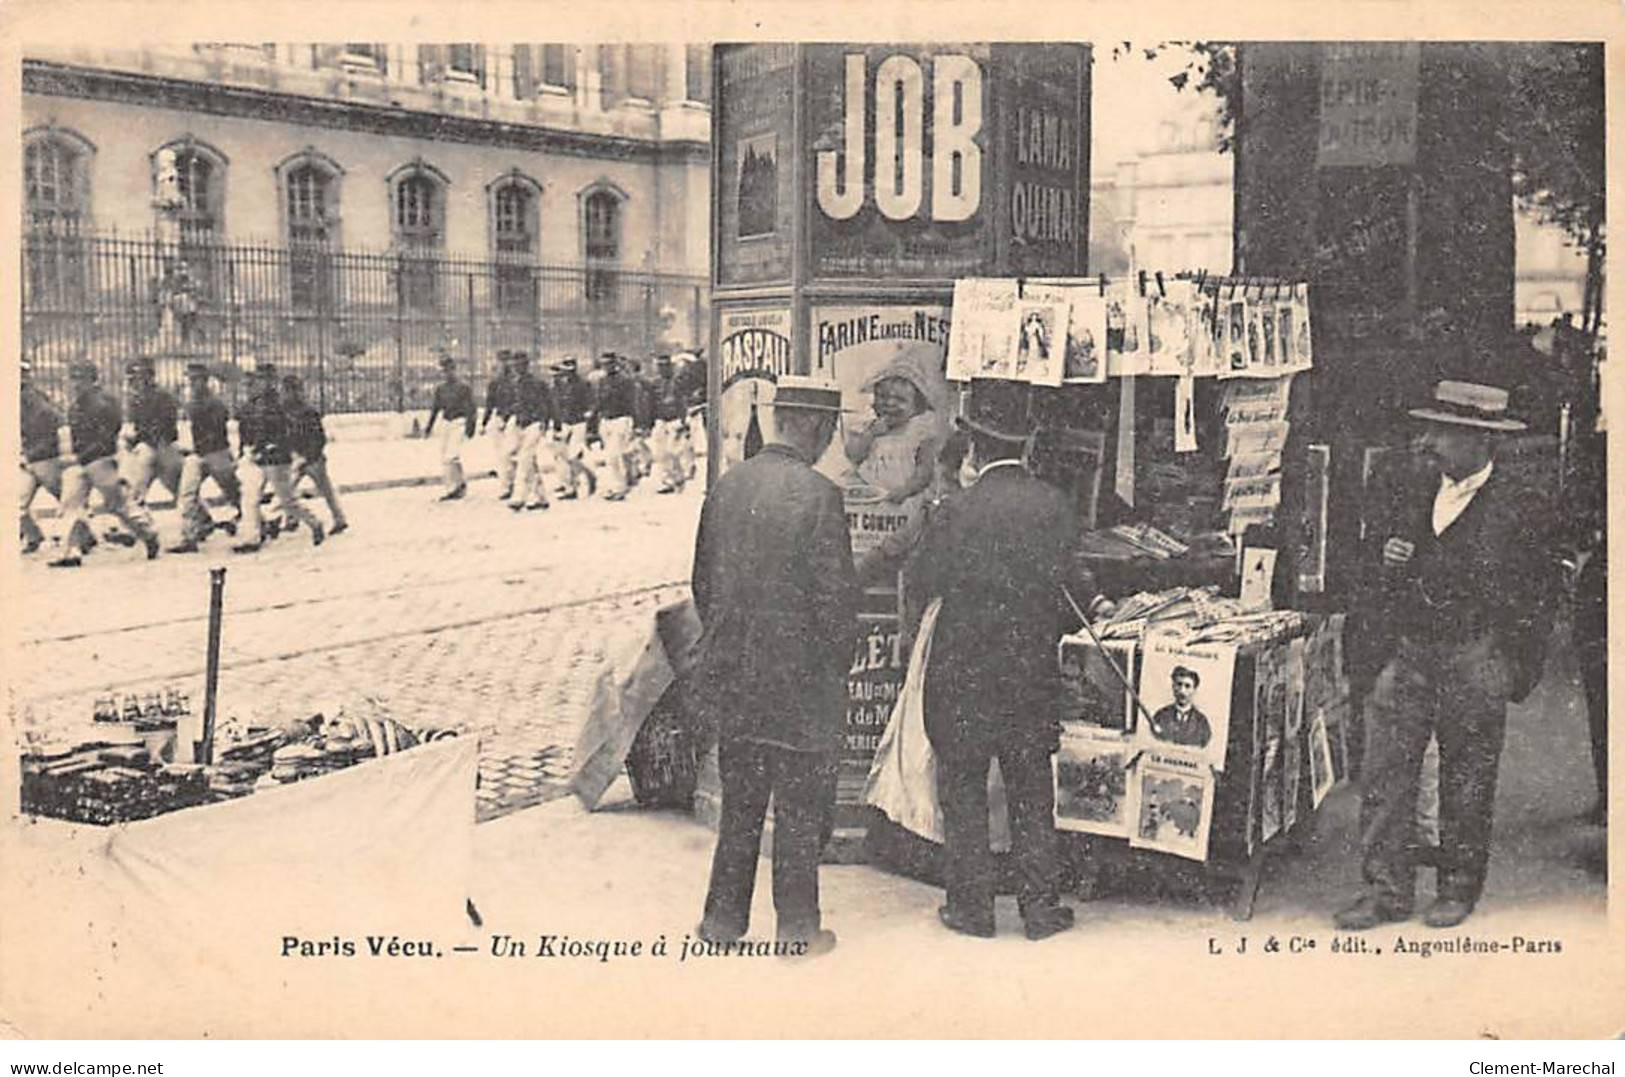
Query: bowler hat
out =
(84, 369)
(999, 409)
(814, 394)
(1465, 403)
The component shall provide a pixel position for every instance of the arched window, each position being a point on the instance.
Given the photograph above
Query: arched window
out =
(515, 202)
(417, 218)
(56, 207)
(309, 182)
(195, 193)
(603, 226)
(601, 239)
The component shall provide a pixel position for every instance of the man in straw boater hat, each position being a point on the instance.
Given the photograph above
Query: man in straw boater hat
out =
(777, 596)
(1003, 561)
(1466, 582)
(94, 421)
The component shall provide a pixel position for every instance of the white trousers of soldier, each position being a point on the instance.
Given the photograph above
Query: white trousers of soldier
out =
(101, 476)
(255, 478)
(617, 436)
(641, 457)
(47, 473)
(667, 440)
(220, 467)
(505, 447)
(452, 438)
(148, 463)
(530, 487)
(572, 454)
(685, 448)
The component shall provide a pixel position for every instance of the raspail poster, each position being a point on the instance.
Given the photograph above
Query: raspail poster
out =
(1092, 782)
(1172, 798)
(1092, 693)
(1186, 689)
(754, 349)
(896, 408)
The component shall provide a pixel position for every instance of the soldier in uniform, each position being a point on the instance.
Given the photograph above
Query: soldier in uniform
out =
(151, 433)
(504, 436)
(669, 414)
(43, 461)
(267, 457)
(210, 458)
(307, 439)
(94, 420)
(614, 410)
(572, 402)
(533, 415)
(454, 400)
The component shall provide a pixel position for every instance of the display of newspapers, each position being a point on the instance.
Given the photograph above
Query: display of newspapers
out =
(1050, 331)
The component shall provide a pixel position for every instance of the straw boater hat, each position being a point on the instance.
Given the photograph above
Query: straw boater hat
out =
(811, 394)
(1465, 403)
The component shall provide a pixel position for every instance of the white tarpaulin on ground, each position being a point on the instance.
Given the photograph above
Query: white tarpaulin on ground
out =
(384, 847)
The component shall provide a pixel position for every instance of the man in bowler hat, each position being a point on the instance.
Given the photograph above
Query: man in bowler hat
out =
(1002, 558)
(1465, 579)
(777, 595)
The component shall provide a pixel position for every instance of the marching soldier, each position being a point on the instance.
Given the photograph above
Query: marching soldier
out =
(614, 412)
(307, 439)
(533, 414)
(43, 461)
(266, 459)
(572, 403)
(504, 436)
(669, 414)
(453, 399)
(94, 420)
(210, 458)
(151, 433)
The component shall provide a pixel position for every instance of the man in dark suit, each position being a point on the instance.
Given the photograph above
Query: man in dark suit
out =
(1465, 579)
(1180, 722)
(999, 556)
(777, 595)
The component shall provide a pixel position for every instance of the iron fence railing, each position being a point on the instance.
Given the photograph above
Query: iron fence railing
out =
(363, 328)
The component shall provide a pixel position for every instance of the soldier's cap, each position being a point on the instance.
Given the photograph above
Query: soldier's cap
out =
(84, 369)
(197, 370)
(812, 394)
(663, 357)
(262, 368)
(565, 366)
(291, 381)
(139, 365)
(447, 361)
(519, 358)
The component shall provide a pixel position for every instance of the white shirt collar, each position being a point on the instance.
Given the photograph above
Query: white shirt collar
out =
(985, 468)
(1469, 485)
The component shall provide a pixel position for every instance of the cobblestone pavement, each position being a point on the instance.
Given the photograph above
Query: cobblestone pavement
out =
(464, 614)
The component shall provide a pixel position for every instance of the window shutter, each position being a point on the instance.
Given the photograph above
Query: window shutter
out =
(524, 72)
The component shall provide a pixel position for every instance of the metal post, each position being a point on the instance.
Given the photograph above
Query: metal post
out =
(211, 681)
(400, 330)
